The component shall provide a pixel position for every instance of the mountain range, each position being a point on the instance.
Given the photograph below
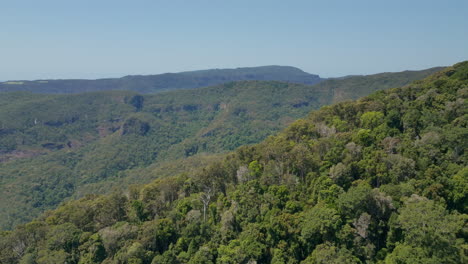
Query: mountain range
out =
(55, 147)
(382, 179)
(166, 81)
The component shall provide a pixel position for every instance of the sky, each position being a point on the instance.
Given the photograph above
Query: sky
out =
(99, 38)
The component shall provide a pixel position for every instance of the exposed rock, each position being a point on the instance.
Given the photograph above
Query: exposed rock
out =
(52, 146)
(19, 154)
(135, 126)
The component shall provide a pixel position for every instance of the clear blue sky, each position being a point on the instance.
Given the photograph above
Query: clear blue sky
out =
(101, 38)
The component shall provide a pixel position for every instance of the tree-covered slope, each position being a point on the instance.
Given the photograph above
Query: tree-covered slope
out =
(357, 86)
(57, 146)
(164, 82)
(380, 180)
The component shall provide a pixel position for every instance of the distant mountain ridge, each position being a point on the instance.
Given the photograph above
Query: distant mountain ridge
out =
(164, 82)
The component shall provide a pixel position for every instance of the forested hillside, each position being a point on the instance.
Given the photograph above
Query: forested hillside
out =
(380, 180)
(164, 82)
(53, 147)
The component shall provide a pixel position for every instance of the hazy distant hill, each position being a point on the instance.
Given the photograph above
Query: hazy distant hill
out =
(56, 146)
(165, 82)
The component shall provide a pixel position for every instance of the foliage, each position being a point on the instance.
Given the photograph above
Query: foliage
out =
(57, 147)
(397, 198)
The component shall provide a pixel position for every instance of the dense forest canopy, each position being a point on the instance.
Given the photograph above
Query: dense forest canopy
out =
(55, 147)
(383, 179)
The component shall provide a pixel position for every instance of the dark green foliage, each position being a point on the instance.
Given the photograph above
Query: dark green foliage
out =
(329, 254)
(53, 147)
(314, 193)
